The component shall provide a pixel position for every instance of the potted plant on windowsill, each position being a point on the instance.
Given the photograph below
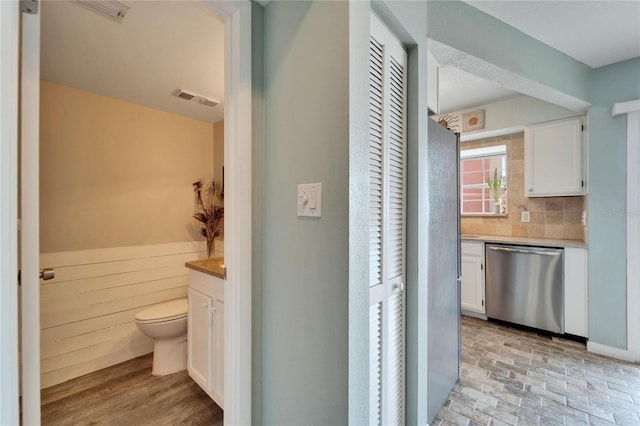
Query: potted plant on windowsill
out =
(495, 183)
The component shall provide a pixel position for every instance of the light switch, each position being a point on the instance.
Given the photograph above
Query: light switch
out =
(310, 200)
(525, 216)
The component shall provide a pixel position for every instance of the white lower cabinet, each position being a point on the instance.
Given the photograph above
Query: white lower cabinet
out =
(472, 286)
(575, 291)
(206, 334)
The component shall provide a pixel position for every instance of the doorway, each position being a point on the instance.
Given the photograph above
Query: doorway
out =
(237, 21)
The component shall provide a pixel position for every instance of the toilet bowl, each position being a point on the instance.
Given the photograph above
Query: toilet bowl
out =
(166, 324)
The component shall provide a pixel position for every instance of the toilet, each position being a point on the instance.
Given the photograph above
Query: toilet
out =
(166, 324)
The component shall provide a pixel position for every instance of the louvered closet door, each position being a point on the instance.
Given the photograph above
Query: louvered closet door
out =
(387, 211)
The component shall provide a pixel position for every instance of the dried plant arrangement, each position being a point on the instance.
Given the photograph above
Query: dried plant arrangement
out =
(209, 211)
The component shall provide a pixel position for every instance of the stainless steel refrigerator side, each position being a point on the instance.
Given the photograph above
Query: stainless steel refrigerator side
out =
(443, 266)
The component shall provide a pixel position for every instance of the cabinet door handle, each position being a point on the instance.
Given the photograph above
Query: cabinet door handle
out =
(204, 305)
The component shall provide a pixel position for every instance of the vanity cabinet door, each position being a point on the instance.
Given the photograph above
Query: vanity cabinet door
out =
(217, 358)
(200, 339)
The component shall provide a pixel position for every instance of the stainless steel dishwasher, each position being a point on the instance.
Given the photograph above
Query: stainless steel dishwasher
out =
(525, 285)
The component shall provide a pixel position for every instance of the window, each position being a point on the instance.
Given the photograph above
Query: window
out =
(477, 168)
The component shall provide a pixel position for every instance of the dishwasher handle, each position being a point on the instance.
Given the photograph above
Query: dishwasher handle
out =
(552, 252)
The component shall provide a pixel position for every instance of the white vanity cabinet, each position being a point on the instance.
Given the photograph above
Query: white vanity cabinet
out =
(575, 291)
(554, 158)
(472, 286)
(206, 333)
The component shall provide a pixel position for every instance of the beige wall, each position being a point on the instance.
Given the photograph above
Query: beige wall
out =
(551, 217)
(116, 174)
(218, 150)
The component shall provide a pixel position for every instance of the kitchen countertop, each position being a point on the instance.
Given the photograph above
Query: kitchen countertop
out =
(543, 242)
(213, 266)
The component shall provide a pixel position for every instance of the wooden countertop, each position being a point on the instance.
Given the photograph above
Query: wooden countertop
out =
(213, 266)
(542, 242)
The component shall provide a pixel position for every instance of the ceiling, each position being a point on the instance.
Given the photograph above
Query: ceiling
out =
(162, 46)
(594, 32)
(159, 47)
(458, 90)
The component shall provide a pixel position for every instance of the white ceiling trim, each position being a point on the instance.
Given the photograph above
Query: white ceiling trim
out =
(625, 107)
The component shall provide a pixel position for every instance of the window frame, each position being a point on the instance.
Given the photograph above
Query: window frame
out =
(475, 154)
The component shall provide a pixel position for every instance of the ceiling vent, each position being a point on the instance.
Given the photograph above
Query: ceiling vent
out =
(192, 97)
(110, 9)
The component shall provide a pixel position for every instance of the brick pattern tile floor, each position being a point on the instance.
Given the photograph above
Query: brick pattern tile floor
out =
(515, 377)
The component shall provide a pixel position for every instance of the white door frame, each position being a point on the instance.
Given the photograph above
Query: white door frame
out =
(30, 218)
(9, 36)
(632, 109)
(238, 226)
(237, 18)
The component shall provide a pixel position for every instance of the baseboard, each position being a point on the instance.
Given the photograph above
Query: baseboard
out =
(610, 351)
(473, 314)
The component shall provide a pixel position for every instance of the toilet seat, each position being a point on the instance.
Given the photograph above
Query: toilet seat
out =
(164, 312)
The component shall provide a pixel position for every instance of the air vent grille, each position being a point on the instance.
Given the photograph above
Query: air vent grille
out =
(186, 96)
(208, 102)
(192, 97)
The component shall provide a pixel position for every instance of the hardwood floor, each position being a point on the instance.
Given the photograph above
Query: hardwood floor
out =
(127, 394)
(521, 378)
(509, 377)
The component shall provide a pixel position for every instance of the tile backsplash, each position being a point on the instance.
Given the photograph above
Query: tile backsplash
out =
(550, 217)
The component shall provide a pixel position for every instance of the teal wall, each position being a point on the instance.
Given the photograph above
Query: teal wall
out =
(305, 274)
(607, 202)
(257, 199)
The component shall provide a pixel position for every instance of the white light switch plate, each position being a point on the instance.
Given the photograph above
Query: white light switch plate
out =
(525, 216)
(309, 199)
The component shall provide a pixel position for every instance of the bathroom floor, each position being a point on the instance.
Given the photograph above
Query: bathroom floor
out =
(127, 394)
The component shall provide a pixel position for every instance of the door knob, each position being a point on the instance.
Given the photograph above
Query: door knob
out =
(47, 274)
(397, 286)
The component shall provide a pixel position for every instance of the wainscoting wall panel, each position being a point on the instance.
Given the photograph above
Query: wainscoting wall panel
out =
(87, 311)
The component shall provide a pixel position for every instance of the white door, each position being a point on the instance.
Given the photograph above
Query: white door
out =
(387, 179)
(9, 26)
(30, 217)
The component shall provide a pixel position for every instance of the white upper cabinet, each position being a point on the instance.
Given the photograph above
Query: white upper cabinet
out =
(554, 158)
(433, 80)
